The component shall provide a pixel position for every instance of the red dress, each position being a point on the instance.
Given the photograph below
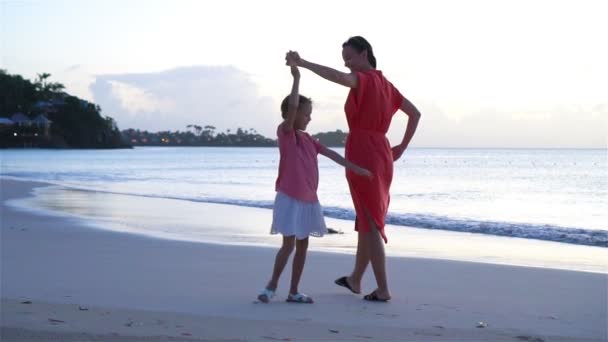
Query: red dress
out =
(369, 109)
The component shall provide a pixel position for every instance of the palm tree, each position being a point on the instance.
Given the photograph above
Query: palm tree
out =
(47, 89)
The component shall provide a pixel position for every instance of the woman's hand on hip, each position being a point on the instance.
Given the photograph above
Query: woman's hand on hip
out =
(398, 151)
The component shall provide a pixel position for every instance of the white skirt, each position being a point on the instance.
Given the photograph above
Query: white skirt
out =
(294, 217)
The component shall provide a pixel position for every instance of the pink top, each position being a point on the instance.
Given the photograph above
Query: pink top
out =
(298, 168)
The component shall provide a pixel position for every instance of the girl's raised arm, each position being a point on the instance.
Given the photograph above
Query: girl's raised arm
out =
(294, 100)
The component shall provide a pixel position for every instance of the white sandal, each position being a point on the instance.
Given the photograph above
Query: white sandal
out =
(266, 295)
(299, 298)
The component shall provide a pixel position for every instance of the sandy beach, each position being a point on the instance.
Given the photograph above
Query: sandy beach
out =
(63, 280)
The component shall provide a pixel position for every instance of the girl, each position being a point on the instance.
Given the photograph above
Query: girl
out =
(297, 212)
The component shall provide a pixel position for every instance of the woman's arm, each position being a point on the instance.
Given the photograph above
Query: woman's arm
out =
(333, 75)
(333, 155)
(412, 123)
(342, 78)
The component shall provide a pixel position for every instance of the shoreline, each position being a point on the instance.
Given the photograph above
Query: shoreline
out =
(178, 219)
(60, 265)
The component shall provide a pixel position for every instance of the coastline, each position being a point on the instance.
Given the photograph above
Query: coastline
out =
(216, 223)
(170, 288)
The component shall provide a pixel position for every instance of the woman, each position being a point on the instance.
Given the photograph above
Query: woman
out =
(369, 108)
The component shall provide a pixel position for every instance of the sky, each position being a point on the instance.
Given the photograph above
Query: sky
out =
(484, 74)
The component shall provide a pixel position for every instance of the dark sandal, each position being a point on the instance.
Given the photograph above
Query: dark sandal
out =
(344, 282)
(373, 297)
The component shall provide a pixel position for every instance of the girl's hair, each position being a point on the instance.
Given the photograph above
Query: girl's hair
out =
(360, 44)
(285, 104)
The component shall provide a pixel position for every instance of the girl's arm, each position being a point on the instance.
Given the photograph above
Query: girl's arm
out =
(412, 123)
(333, 155)
(294, 100)
(333, 75)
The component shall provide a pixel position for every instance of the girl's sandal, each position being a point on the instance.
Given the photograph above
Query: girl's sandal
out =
(265, 295)
(299, 298)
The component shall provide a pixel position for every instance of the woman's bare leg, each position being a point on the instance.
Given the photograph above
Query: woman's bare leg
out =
(375, 244)
(371, 246)
(361, 261)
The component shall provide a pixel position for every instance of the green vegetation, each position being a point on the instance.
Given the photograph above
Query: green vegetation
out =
(196, 135)
(75, 123)
(332, 139)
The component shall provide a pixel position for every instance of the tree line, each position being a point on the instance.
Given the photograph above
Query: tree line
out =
(77, 123)
(198, 135)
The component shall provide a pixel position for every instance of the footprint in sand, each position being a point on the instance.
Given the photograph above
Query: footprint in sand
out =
(276, 339)
(55, 321)
(387, 315)
(530, 338)
(424, 333)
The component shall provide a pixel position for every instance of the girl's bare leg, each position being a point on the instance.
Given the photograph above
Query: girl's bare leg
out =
(280, 261)
(299, 260)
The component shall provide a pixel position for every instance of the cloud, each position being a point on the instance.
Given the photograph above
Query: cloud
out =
(226, 97)
(74, 67)
(551, 127)
(222, 96)
(136, 100)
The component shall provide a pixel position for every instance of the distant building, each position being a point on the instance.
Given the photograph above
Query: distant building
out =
(49, 106)
(21, 131)
(43, 124)
(6, 122)
(21, 120)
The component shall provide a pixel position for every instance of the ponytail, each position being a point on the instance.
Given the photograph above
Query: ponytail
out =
(371, 58)
(360, 44)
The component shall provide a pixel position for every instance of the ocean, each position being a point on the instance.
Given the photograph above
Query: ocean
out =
(541, 194)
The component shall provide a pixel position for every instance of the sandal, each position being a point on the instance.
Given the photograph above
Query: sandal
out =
(299, 298)
(373, 297)
(344, 282)
(266, 295)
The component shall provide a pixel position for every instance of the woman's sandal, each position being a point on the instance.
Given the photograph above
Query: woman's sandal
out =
(373, 297)
(344, 282)
(266, 295)
(299, 298)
